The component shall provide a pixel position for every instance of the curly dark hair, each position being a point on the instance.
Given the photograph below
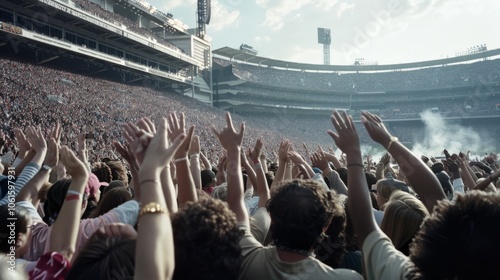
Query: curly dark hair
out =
(331, 249)
(118, 171)
(105, 258)
(299, 211)
(460, 240)
(102, 171)
(206, 241)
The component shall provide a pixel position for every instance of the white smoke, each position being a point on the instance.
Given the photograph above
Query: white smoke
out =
(442, 134)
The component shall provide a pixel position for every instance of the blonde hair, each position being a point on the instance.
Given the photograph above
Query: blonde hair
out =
(403, 216)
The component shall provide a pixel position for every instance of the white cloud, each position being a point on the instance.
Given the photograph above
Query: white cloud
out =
(325, 5)
(276, 11)
(262, 38)
(343, 7)
(222, 16)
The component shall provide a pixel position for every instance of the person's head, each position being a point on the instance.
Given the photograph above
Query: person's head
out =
(55, 199)
(113, 184)
(21, 229)
(445, 182)
(385, 187)
(118, 171)
(220, 192)
(300, 211)
(111, 199)
(102, 171)
(331, 249)
(460, 240)
(403, 216)
(208, 181)
(206, 241)
(105, 258)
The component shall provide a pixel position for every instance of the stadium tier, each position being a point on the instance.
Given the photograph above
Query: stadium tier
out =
(469, 89)
(129, 37)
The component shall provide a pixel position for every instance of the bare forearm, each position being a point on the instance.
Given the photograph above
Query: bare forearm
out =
(187, 191)
(360, 203)
(65, 229)
(195, 170)
(423, 181)
(154, 249)
(235, 195)
(169, 190)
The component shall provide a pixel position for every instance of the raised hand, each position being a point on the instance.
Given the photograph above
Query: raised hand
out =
(257, 150)
(52, 156)
(296, 157)
(385, 159)
(376, 128)
(127, 154)
(22, 141)
(195, 146)
(73, 165)
(138, 139)
(346, 137)
(158, 153)
(285, 146)
(319, 160)
(176, 127)
(55, 133)
(36, 139)
(228, 137)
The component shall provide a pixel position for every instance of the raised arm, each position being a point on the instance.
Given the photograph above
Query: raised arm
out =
(185, 183)
(423, 181)
(65, 229)
(194, 159)
(31, 169)
(282, 162)
(360, 205)
(25, 154)
(490, 179)
(30, 191)
(206, 162)
(252, 176)
(231, 142)
(154, 253)
(262, 187)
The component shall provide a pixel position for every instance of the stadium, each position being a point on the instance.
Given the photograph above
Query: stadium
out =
(123, 108)
(133, 43)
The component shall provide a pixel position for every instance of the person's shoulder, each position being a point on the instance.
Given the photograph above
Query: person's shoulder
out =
(343, 273)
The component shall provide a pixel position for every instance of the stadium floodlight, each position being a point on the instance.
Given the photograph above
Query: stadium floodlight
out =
(325, 38)
(204, 15)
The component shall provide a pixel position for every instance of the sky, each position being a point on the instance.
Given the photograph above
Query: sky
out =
(385, 31)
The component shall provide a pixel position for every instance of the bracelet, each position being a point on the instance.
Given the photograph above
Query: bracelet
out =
(393, 139)
(195, 155)
(148, 181)
(180, 159)
(46, 167)
(257, 165)
(355, 164)
(151, 208)
(72, 192)
(72, 197)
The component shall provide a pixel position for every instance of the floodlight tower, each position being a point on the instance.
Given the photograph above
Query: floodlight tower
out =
(204, 14)
(325, 38)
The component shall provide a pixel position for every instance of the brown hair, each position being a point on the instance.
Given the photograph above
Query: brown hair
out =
(460, 239)
(110, 200)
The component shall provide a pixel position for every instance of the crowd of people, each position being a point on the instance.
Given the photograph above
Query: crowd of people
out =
(97, 10)
(477, 73)
(112, 181)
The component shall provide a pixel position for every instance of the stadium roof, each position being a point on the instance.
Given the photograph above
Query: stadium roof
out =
(244, 56)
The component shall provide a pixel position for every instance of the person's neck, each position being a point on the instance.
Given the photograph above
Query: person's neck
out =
(290, 256)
